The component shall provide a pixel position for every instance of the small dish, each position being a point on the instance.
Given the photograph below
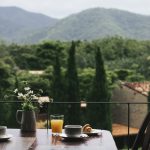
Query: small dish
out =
(5, 137)
(94, 132)
(81, 136)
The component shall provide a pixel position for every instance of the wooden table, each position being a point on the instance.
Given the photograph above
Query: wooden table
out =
(43, 140)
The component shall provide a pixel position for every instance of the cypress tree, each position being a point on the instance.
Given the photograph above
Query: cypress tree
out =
(57, 80)
(57, 86)
(100, 113)
(72, 90)
(149, 101)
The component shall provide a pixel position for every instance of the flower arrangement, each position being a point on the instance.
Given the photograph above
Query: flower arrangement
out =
(29, 98)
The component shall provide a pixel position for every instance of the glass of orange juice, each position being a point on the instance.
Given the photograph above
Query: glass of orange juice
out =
(56, 122)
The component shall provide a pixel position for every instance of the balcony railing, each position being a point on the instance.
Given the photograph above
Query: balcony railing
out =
(130, 108)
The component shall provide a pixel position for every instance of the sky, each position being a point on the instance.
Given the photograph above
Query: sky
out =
(63, 8)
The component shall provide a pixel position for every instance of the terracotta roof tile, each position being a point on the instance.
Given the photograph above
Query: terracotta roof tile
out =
(141, 87)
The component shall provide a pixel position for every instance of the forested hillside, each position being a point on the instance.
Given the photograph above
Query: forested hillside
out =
(16, 23)
(20, 26)
(99, 23)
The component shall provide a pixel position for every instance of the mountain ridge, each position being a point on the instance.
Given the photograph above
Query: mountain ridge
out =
(102, 22)
(16, 22)
(89, 24)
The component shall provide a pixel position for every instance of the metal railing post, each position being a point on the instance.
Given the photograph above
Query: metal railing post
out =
(128, 126)
(47, 116)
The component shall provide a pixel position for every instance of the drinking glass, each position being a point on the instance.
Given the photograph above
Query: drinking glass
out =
(56, 122)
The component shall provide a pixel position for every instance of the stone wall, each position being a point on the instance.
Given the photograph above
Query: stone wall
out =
(120, 111)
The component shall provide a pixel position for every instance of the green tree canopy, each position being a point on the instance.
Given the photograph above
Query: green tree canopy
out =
(100, 113)
(72, 87)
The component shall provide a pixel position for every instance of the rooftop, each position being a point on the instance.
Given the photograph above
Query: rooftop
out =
(140, 87)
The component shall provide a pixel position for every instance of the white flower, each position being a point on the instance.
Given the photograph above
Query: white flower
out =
(30, 92)
(27, 88)
(24, 97)
(28, 95)
(20, 96)
(16, 90)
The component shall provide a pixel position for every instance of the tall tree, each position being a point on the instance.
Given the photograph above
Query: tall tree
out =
(57, 88)
(4, 85)
(72, 91)
(46, 53)
(148, 101)
(100, 113)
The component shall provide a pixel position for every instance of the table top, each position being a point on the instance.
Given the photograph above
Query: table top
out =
(42, 139)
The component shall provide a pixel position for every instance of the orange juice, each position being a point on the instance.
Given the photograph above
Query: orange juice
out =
(56, 125)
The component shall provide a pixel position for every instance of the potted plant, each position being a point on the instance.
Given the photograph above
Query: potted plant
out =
(28, 98)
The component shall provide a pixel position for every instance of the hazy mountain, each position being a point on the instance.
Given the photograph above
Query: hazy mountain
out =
(22, 26)
(16, 23)
(100, 22)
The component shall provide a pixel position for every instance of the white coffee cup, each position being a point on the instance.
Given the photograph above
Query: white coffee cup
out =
(73, 130)
(3, 130)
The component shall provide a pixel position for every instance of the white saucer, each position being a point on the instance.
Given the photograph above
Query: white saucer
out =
(94, 132)
(81, 136)
(5, 137)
